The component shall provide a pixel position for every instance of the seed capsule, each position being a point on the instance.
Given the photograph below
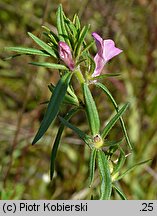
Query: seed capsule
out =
(98, 142)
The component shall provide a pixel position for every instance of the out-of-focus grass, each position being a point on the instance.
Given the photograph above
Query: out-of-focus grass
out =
(25, 168)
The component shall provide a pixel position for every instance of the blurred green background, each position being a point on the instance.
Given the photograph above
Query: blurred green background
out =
(24, 169)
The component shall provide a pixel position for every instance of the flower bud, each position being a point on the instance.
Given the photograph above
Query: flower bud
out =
(65, 55)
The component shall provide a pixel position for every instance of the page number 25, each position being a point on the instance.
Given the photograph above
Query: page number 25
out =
(147, 207)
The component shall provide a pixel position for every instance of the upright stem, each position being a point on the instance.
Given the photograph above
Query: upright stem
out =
(79, 76)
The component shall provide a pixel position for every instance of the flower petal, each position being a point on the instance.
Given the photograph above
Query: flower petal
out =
(99, 43)
(110, 50)
(99, 61)
(106, 51)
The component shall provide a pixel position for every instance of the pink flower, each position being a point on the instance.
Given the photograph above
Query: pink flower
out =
(106, 51)
(65, 55)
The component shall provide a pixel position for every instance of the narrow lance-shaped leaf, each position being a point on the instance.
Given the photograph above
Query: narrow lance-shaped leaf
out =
(59, 26)
(51, 41)
(29, 51)
(120, 162)
(80, 133)
(72, 32)
(62, 32)
(54, 105)
(76, 21)
(11, 57)
(71, 29)
(114, 120)
(104, 170)
(87, 47)
(130, 169)
(70, 90)
(106, 75)
(92, 166)
(91, 110)
(91, 64)
(112, 150)
(50, 65)
(103, 87)
(68, 98)
(70, 26)
(54, 38)
(57, 141)
(42, 44)
(83, 33)
(121, 194)
(113, 143)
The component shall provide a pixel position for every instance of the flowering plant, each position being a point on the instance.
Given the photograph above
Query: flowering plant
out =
(73, 60)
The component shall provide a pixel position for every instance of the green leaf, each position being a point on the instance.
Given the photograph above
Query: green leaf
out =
(51, 41)
(113, 121)
(50, 65)
(92, 166)
(106, 75)
(121, 194)
(120, 162)
(57, 141)
(11, 57)
(131, 168)
(91, 111)
(71, 92)
(68, 98)
(104, 170)
(112, 150)
(76, 22)
(54, 105)
(92, 64)
(81, 61)
(82, 35)
(42, 44)
(29, 51)
(80, 133)
(62, 32)
(53, 37)
(87, 47)
(72, 37)
(113, 143)
(70, 28)
(103, 87)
